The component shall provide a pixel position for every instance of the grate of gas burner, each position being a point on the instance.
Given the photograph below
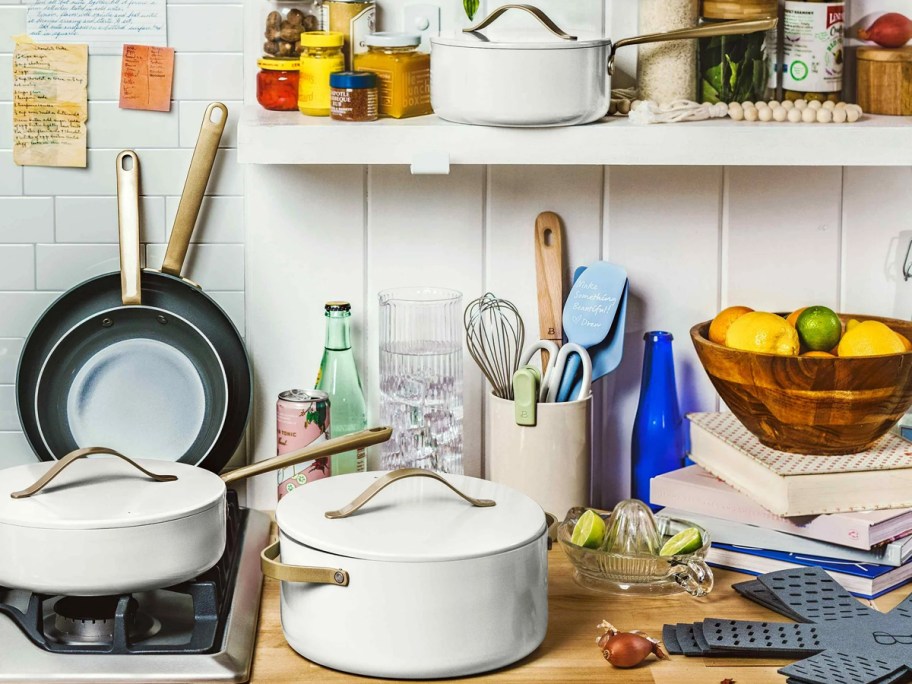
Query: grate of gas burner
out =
(83, 620)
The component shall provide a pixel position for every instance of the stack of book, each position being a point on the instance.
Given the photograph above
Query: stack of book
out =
(767, 510)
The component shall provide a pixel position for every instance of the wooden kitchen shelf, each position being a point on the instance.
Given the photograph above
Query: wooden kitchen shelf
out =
(430, 144)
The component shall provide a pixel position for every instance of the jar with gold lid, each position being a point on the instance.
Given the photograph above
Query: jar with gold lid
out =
(737, 68)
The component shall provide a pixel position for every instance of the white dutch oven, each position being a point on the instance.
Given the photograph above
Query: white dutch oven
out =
(412, 581)
(521, 78)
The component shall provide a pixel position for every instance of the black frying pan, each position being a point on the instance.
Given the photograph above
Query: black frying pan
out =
(64, 342)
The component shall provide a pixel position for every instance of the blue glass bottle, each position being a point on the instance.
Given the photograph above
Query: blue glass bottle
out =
(658, 437)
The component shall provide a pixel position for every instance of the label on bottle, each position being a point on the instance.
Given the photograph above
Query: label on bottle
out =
(813, 46)
(359, 27)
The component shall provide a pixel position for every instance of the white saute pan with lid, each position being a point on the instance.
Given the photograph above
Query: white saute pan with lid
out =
(98, 526)
(537, 77)
(436, 576)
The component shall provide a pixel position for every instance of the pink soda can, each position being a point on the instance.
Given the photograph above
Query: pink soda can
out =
(302, 419)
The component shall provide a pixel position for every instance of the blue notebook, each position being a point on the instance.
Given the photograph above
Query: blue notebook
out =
(865, 580)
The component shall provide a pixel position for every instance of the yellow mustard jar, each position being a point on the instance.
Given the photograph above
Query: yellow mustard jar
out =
(403, 73)
(321, 55)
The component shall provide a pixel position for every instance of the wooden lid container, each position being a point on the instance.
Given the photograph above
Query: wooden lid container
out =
(739, 9)
(884, 80)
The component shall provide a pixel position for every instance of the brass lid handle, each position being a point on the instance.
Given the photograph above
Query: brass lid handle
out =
(394, 476)
(543, 19)
(277, 570)
(60, 465)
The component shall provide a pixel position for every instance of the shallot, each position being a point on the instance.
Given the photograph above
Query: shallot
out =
(627, 649)
(890, 30)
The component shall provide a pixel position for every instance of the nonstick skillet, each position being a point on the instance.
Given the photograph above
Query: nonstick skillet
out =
(48, 428)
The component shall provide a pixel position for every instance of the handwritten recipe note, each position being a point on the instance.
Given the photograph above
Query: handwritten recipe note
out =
(50, 104)
(145, 78)
(104, 24)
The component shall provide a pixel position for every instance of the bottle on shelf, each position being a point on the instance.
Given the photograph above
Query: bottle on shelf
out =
(338, 377)
(658, 438)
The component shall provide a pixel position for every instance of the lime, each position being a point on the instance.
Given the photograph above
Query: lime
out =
(589, 530)
(685, 541)
(819, 328)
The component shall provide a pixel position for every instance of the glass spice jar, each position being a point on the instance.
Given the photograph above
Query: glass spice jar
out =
(284, 21)
(737, 68)
(321, 57)
(353, 96)
(403, 73)
(665, 71)
(277, 84)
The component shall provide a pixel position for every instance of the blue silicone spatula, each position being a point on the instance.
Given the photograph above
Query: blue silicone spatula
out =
(589, 313)
(606, 355)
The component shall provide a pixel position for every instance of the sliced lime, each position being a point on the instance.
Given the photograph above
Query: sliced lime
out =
(686, 541)
(589, 530)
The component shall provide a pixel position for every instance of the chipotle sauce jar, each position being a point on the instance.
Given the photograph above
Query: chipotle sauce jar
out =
(277, 84)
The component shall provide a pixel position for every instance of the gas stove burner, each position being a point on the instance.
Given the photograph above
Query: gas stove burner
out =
(90, 620)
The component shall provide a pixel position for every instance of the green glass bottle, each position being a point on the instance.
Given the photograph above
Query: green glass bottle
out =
(338, 377)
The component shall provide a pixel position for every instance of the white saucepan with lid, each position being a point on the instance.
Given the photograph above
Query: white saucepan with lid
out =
(435, 576)
(97, 526)
(540, 76)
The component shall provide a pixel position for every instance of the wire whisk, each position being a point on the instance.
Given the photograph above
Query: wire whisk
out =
(495, 336)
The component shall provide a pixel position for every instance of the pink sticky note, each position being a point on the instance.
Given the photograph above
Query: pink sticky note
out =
(146, 74)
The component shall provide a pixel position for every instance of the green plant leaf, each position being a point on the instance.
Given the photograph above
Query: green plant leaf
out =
(471, 6)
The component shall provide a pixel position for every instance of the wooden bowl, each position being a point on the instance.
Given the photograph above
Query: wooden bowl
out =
(809, 405)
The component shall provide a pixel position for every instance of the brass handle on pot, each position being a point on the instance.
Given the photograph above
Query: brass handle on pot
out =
(543, 18)
(128, 227)
(284, 572)
(60, 465)
(722, 28)
(394, 476)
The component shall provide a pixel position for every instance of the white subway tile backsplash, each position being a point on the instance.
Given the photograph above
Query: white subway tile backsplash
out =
(214, 267)
(96, 179)
(208, 76)
(10, 348)
(10, 175)
(12, 19)
(26, 219)
(9, 418)
(14, 450)
(94, 219)
(111, 126)
(206, 28)
(17, 267)
(191, 117)
(6, 77)
(60, 267)
(233, 304)
(6, 128)
(221, 219)
(104, 79)
(21, 310)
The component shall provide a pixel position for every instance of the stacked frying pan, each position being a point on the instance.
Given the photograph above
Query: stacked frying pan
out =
(140, 361)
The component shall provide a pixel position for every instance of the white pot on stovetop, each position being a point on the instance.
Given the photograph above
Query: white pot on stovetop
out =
(417, 583)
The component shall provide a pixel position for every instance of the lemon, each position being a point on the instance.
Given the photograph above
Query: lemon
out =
(759, 331)
(819, 328)
(851, 323)
(871, 338)
(589, 530)
(905, 342)
(723, 320)
(685, 541)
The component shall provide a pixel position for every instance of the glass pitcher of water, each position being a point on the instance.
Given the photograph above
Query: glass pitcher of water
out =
(421, 378)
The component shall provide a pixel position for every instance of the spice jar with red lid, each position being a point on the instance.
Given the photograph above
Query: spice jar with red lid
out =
(277, 84)
(353, 96)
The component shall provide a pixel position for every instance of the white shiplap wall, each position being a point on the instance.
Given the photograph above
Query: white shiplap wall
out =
(59, 226)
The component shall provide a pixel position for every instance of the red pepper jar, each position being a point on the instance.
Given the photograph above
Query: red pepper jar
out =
(277, 84)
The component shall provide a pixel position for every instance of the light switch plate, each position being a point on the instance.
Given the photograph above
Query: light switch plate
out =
(423, 18)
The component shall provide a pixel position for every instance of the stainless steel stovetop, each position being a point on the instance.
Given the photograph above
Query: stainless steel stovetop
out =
(22, 660)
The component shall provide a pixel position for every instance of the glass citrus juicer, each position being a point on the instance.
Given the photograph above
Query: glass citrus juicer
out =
(628, 560)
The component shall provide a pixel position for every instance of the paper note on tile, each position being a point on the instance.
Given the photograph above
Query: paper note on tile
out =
(146, 73)
(49, 104)
(105, 25)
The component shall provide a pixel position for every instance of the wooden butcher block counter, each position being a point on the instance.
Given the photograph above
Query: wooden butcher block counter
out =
(569, 653)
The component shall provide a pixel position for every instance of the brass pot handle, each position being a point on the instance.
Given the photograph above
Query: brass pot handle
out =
(128, 228)
(60, 465)
(543, 19)
(394, 476)
(277, 570)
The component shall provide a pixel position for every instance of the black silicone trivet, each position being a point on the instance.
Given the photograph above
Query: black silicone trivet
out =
(845, 641)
